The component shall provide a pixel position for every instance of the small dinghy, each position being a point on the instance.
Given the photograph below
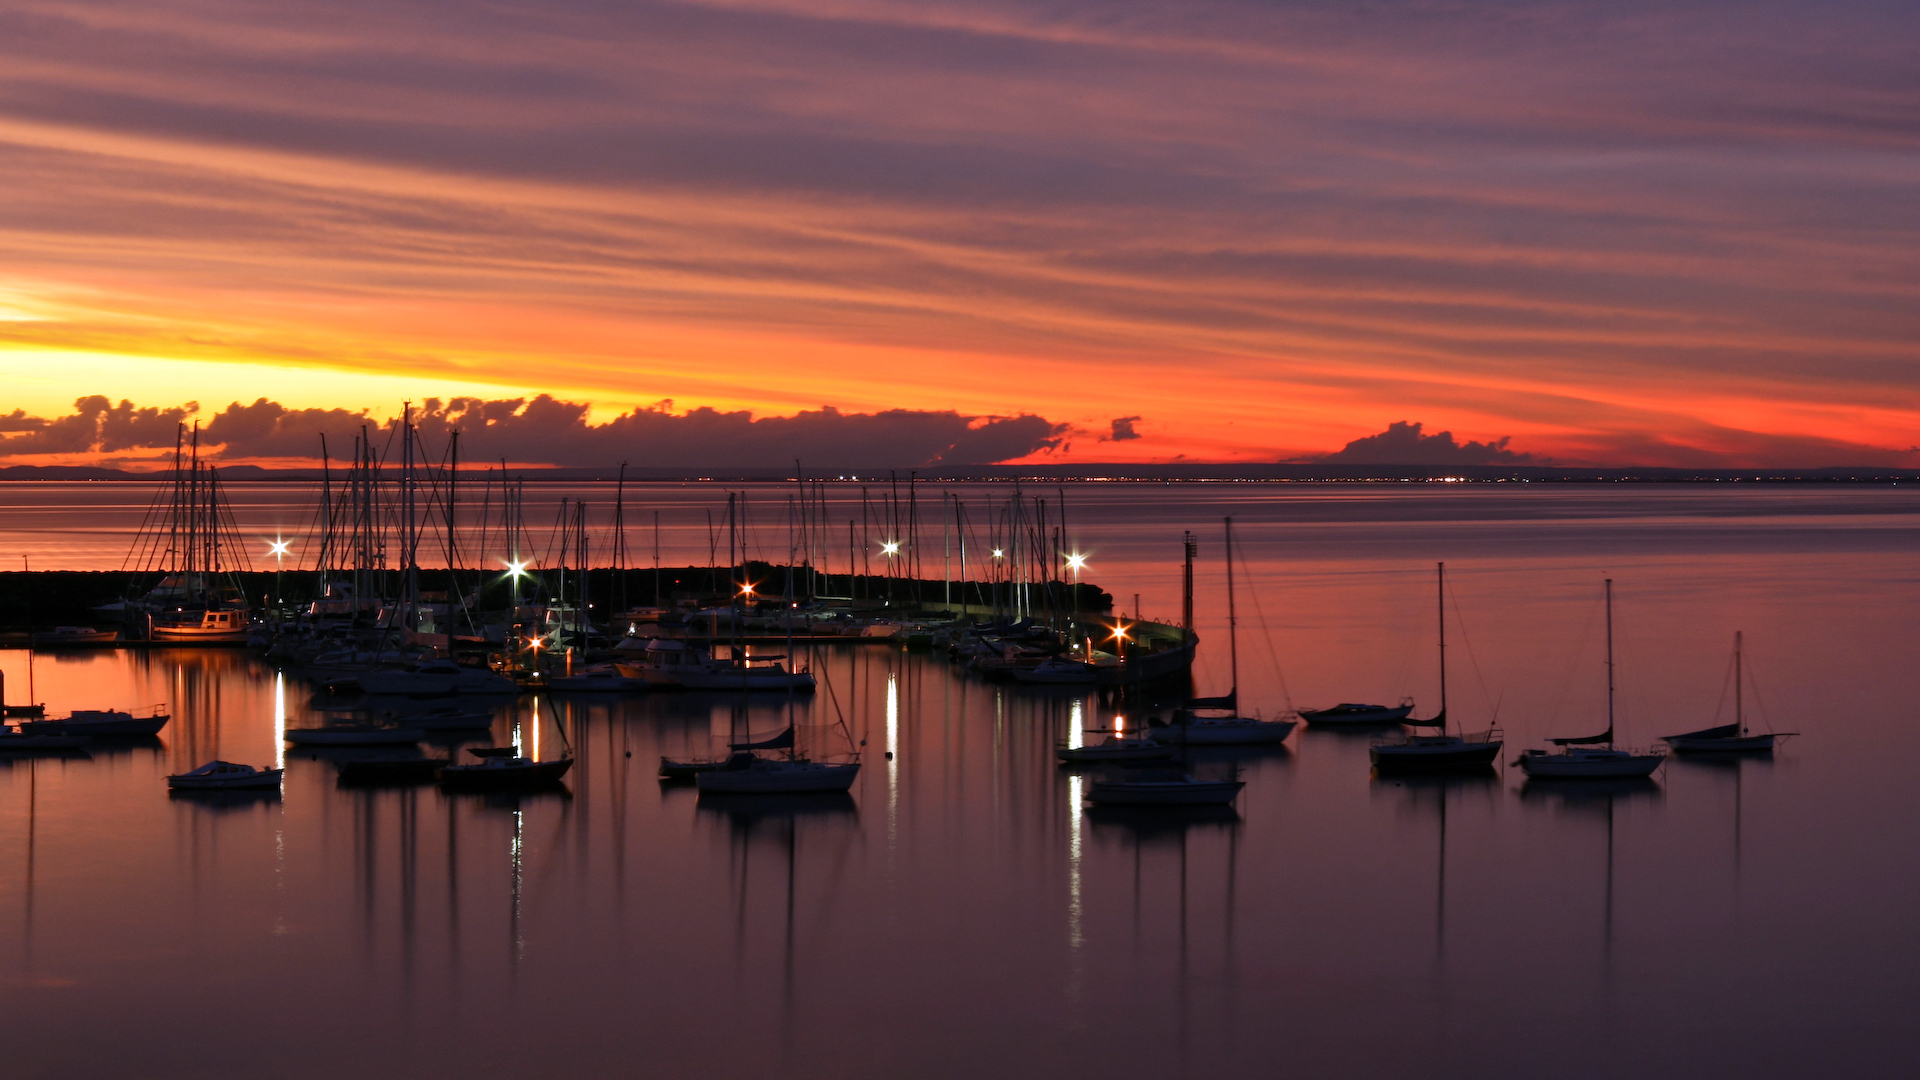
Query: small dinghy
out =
(502, 767)
(101, 723)
(1731, 738)
(73, 635)
(1356, 715)
(355, 734)
(685, 770)
(225, 776)
(1170, 787)
(13, 740)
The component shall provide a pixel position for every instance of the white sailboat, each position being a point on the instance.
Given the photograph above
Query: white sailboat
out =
(1592, 757)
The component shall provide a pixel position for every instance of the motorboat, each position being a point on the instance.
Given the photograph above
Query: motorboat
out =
(436, 678)
(101, 723)
(745, 772)
(210, 625)
(665, 662)
(1357, 715)
(1442, 752)
(225, 776)
(502, 767)
(1731, 738)
(599, 678)
(355, 733)
(1592, 757)
(1171, 787)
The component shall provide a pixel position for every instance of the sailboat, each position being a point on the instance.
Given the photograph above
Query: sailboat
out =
(1729, 738)
(745, 772)
(1442, 752)
(1592, 757)
(1118, 747)
(1356, 715)
(1217, 721)
(1162, 787)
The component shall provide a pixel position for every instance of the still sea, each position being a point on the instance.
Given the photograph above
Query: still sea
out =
(961, 913)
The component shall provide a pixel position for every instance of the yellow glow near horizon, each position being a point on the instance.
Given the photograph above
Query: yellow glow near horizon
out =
(45, 382)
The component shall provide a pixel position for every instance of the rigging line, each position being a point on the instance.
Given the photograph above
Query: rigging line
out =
(1726, 685)
(1266, 634)
(1473, 658)
(1573, 658)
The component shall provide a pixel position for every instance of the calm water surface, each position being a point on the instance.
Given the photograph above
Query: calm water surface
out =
(961, 915)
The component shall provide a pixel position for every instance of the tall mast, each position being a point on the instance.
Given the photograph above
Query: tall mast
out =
(1233, 622)
(1739, 713)
(1440, 571)
(1609, 661)
(1186, 586)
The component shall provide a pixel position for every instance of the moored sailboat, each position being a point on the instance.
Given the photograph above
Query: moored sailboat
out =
(1443, 752)
(1217, 721)
(1731, 738)
(1592, 757)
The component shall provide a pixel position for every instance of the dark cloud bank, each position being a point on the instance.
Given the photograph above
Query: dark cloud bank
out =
(547, 431)
(1403, 444)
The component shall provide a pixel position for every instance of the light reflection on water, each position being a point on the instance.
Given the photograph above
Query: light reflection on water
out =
(958, 914)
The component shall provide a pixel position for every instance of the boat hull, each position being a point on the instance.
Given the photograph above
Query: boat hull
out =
(1355, 718)
(1215, 733)
(1087, 755)
(493, 776)
(811, 778)
(262, 779)
(1547, 767)
(380, 737)
(1404, 759)
(1163, 792)
(28, 743)
(122, 726)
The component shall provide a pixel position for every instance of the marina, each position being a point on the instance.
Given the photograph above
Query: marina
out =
(1272, 900)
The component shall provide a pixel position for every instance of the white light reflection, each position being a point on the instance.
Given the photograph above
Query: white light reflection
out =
(517, 853)
(280, 720)
(1077, 723)
(1075, 817)
(893, 755)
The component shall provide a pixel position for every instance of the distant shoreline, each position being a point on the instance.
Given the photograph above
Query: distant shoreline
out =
(1095, 473)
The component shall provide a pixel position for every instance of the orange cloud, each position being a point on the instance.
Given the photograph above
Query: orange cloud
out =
(1637, 234)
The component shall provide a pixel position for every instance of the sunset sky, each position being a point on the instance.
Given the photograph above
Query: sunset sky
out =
(1620, 233)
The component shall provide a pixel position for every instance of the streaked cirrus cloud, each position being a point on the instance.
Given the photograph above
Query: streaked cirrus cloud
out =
(1625, 233)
